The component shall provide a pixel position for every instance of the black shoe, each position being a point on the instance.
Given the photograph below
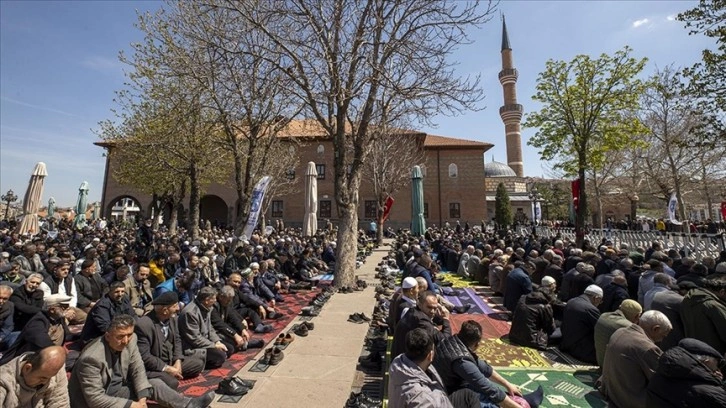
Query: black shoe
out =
(355, 318)
(462, 309)
(245, 383)
(364, 317)
(263, 328)
(229, 386)
(362, 397)
(301, 330)
(256, 343)
(309, 325)
(201, 402)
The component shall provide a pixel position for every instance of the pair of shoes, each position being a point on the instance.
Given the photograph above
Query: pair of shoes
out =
(361, 400)
(284, 339)
(229, 386)
(359, 318)
(263, 328)
(301, 330)
(462, 309)
(310, 311)
(309, 325)
(273, 356)
(347, 289)
(372, 360)
(202, 401)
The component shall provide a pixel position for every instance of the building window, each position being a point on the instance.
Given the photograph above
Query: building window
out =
(324, 208)
(426, 210)
(321, 171)
(321, 149)
(453, 170)
(277, 209)
(370, 209)
(454, 210)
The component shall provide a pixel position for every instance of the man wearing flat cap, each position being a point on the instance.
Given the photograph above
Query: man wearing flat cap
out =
(160, 344)
(47, 328)
(60, 282)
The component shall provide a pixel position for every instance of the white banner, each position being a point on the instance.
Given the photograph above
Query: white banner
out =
(672, 204)
(537, 211)
(258, 194)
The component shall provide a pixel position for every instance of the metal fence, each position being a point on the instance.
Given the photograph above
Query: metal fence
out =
(696, 245)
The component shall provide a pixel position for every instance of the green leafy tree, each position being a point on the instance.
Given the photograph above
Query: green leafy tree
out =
(586, 112)
(708, 77)
(502, 207)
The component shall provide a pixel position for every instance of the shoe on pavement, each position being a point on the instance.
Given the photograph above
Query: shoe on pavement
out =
(277, 356)
(364, 317)
(309, 325)
(203, 401)
(301, 330)
(245, 383)
(287, 338)
(355, 318)
(229, 386)
(280, 338)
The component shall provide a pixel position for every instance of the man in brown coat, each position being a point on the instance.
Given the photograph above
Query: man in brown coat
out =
(631, 358)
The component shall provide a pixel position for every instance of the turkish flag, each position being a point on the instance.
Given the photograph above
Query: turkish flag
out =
(576, 195)
(387, 207)
(723, 210)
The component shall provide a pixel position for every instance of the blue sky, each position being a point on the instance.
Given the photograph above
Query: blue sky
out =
(59, 70)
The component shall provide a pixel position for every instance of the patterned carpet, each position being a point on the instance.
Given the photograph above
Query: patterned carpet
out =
(209, 379)
(456, 280)
(491, 328)
(562, 388)
(499, 353)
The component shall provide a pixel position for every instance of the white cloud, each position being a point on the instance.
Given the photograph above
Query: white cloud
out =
(671, 17)
(102, 64)
(40, 107)
(638, 23)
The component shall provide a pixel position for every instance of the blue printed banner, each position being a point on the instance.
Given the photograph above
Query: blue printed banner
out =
(258, 194)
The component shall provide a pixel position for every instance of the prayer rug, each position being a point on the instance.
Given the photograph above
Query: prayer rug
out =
(209, 379)
(563, 360)
(468, 296)
(561, 388)
(456, 280)
(491, 328)
(499, 353)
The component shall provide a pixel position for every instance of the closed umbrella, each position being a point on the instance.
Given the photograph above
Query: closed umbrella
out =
(29, 224)
(94, 214)
(51, 207)
(80, 221)
(418, 223)
(310, 223)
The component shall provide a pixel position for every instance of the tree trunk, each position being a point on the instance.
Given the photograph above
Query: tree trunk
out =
(581, 211)
(194, 202)
(706, 190)
(155, 210)
(241, 205)
(347, 248)
(681, 208)
(173, 219)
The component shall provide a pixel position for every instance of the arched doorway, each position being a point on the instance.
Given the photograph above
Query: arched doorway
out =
(212, 208)
(123, 208)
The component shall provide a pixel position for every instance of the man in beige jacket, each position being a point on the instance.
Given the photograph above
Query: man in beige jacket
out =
(35, 380)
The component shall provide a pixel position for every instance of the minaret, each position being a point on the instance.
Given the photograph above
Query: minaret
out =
(511, 112)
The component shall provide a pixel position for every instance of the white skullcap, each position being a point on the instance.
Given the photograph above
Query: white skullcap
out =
(593, 290)
(548, 280)
(409, 283)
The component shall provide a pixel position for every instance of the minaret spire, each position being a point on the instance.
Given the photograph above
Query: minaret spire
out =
(511, 112)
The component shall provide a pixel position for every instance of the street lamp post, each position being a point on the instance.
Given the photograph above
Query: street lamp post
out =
(633, 207)
(8, 198)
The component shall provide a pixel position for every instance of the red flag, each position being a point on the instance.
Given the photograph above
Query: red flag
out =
(723, 210)
(576, 194)
(387, 207)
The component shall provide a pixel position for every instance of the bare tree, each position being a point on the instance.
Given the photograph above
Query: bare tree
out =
(238, 80)
(388, 167)
(343, 55)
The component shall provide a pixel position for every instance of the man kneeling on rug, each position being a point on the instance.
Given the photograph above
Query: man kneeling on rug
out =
(460, 367)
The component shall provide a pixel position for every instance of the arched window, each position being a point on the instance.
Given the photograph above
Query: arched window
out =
(321, 149)
(453, 170)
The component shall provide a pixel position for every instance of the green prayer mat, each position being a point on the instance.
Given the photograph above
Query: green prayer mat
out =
(561, 388)
(457, 281)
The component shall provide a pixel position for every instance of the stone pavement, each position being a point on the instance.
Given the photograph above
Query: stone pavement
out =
(318, 370)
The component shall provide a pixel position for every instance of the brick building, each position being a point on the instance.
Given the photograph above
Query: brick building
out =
(454, 185)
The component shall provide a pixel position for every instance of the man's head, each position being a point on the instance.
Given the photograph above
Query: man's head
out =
(116, 291)
(662, 279)
(88, 267)
(225, 295)
(717, 287)
(470, 334)
(594, 293)
(631, 310)
(122, 272)
(247, 274)
(29, 250)
(410, 287)
(32, 282)
(5, 293)
(62, 269)
(185, 281)
(142, 273)
(549, 283)
(655, 325)
(57, 304)
(40, 367)
(428, 303)
(207, 296)
(119, 332)
(423, 286)
(234, 280)
(420, 347)
(166, 305)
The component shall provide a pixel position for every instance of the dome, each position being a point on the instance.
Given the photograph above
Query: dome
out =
(496, 169)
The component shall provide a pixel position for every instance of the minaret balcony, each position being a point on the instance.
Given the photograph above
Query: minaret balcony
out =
(511, 109)
(508, 72)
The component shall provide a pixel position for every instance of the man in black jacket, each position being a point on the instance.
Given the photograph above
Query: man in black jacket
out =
(229, 324)
(428, 314)
(47, 328)
(27, 300)
(113, 304)
(89, 285)
(160, 344)
(235, 281)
